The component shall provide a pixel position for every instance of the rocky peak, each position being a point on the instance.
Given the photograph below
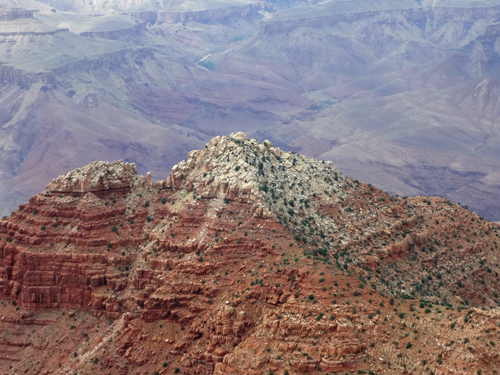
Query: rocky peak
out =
(239, 168)
(226, 167)
(96, 176)
(246, 260)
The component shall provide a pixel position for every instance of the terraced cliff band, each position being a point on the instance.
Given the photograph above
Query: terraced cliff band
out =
(244, 259)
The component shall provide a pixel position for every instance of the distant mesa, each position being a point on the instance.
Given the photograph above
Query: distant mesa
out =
(12, 14)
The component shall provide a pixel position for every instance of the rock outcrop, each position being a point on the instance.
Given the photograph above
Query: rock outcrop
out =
(222, 14)
(12, 14)
(246, 259)
(95, 177)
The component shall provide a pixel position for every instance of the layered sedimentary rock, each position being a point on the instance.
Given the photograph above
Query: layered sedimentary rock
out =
(12, 14)
(211, 15)
(245, 259)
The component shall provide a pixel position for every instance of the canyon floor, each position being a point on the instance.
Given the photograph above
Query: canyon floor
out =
(399, 94)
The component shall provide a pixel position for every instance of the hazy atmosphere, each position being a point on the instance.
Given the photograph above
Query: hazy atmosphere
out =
(399, 94)
(240, 187)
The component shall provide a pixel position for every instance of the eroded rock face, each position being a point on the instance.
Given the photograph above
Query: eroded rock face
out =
(12, 14)
(230, 168)
(96, 176)
(247, 259)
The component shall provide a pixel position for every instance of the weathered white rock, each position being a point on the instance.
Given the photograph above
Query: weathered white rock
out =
(240, 136)
(96, 176)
